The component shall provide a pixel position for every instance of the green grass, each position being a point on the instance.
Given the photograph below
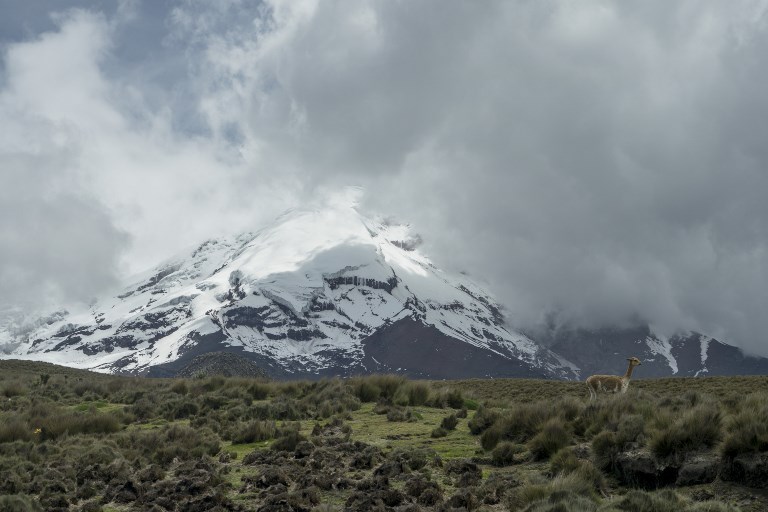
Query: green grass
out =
(528, 421)
(375, 429)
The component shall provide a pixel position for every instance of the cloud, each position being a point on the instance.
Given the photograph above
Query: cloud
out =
(597, 161)
(94, 183)
(601, 161)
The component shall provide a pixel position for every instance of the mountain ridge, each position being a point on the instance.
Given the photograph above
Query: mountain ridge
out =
(306, 295)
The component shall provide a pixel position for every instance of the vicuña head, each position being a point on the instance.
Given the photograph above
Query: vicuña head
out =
(611, 383)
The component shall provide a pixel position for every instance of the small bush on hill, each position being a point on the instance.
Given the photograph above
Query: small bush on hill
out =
(439, 432)
(482, 419)
(553, 436)
(12, 389)
(698, 428)
(748, 429)
(520, 424)
(14, 430)
(449, 422)
(504, 453)
(254, 431)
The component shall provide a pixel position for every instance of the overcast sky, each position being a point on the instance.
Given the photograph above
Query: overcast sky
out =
(603, 161)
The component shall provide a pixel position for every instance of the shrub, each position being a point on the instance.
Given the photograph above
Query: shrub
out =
(482, 420)
(563, 489)
(504, 453)
(631, 429)
(748, 429)
(449, 422)
(258, 391)
(387, 384)
(288, 441)
(520, 424)
(399, 414)
(564, 461)
(451, 397)
(182, 442)
(19, 503)
(143, 409)
(367, 391)
(213, 383)
(180, 387)
(552, 438)
(698, 428)
(254, 431)
(607, 413)
(439, 432)
(86, 386)
(418, 393)
(641, 501)
(605, 448)
(14, 430)
(77, 423)
(184, 409)
(13, 388)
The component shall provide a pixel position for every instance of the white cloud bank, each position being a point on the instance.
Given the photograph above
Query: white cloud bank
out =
(602, 160)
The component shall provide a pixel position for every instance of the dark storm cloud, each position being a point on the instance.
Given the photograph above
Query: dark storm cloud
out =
(604, 162)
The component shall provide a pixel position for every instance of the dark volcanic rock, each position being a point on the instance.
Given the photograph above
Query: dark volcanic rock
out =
(750, 469)
(410, 347)
(639, 468)
(222, 363)
(699, 469)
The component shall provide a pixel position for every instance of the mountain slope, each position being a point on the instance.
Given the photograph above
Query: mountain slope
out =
(318, 292)
(604, 351)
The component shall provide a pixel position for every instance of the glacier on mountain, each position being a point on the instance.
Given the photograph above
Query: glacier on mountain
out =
(305, 293)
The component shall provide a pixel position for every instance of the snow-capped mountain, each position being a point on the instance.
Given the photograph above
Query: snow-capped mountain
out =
(317, 292)
(686, 354)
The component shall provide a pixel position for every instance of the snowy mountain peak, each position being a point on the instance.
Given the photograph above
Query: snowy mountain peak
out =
(317, 291)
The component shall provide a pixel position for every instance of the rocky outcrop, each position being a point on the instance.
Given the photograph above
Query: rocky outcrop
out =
(750, 469)
(639, 468)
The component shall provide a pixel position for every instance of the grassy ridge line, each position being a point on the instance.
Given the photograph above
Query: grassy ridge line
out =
(532, 390)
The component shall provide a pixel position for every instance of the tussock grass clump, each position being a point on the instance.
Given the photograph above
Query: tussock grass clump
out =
(438, 432)
(449, 422)
(397, 413)
(180, 387)
(504, 453)
(55, 426)
(19, 503)
(608, 412)
(748, 429)
(387, 384)
(12, 388)
(553, 436)
(90, 387)
(254, 431)
(564, 461)
(563, 490)
(259, 390)
(520, 424)
(366, 390)
(700, 427)
(447, 397)
(412, 393)
(14, 430)
(605, 447)
(288, 441)
(483, 418)
(607, 444)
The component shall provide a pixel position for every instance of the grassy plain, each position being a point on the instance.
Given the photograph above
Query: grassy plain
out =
(75, 440)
